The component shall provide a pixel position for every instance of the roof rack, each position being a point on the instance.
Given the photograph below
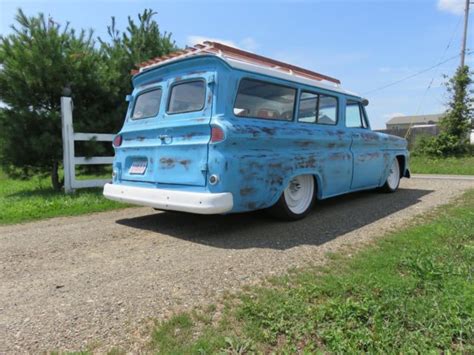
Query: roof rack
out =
(228, 52)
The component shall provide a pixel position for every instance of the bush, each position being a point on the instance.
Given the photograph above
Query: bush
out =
(455, 124)
(442, 145)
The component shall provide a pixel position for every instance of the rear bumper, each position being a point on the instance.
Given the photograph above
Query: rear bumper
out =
(185, 201)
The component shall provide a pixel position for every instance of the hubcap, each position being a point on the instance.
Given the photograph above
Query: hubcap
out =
(299, 193)
(394, 175)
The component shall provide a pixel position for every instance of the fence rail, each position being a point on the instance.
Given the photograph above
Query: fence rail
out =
(70, 160)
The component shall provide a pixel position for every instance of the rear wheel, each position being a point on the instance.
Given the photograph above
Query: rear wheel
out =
(296, 200)
(393, 179)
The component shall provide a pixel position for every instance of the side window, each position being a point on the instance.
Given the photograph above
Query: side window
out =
(354, 115)
(261, 99)
(327, 113)
(308, 107)
(187, 96)
(317, 108)
(147, 104)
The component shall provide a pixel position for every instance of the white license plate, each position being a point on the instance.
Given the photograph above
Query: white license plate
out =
(138, 167)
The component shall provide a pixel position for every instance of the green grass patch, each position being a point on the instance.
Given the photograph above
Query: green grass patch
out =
(27, 200)
(430, 165)
(411, 292)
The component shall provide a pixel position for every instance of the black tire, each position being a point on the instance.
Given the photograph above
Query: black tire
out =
(283, 211)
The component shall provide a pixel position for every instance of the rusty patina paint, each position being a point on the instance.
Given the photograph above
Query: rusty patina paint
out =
(258, 157)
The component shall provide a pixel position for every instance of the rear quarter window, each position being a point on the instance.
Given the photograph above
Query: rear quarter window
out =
(260, 99)
(187, 96)
(147, 104)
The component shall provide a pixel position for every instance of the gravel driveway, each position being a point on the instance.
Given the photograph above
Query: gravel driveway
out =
(95, 280)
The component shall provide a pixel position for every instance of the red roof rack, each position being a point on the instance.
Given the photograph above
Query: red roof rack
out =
(229, 52)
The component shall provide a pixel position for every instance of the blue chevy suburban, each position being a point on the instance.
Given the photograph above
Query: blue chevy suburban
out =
(214, 130)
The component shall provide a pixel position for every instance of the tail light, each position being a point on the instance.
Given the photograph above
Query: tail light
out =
(217, 134)
(117, 141)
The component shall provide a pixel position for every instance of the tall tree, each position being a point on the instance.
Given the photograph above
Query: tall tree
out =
(455, 125)
(124, 50)
(38, 60)
(457, 121)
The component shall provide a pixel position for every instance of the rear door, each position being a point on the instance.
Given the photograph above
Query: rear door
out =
(171, 146)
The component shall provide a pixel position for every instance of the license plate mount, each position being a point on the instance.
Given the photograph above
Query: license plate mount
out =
(138, 167)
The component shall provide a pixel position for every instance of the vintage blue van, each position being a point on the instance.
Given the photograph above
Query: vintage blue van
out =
(215, 130)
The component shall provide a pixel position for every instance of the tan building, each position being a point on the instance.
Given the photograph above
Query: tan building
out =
(403, 122)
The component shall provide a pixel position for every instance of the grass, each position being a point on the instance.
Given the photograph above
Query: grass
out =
(27, 200)
(429, 165)
(411, 292)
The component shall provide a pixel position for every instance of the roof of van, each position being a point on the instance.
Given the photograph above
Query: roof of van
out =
(240, 59)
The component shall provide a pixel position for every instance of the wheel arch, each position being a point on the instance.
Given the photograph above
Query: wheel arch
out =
(286, 181)
(402, 164)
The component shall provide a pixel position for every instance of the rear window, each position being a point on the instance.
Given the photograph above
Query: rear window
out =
(260, 99)
(147, 104)
(187, 97)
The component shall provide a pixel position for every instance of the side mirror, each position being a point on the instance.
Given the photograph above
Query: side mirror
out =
(365, 102)
(128, 98)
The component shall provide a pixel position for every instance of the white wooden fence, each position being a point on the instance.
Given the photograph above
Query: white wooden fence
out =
(70, 160)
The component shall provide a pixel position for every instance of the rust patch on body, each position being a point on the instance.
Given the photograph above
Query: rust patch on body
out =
(368, 156)
(275, 165)
(246, 191)
(305, 162)
(369, 137)
(304, 143)
(168, 163)
(185, 163)
(269, 131)
(251, 205)
(189, 136)
(339, 156)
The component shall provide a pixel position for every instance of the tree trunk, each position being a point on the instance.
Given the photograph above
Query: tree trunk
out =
(55, 177)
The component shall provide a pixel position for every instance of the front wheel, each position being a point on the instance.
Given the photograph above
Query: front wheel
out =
(296, 200)
(393, 179)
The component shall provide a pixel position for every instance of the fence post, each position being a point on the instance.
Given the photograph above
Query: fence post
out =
(68, 143)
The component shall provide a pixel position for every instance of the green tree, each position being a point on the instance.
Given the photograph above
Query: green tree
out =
(457, 121)
(455, 124)
(123, 51)
(38, 60)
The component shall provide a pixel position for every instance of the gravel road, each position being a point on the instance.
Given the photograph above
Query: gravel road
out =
(96, 280)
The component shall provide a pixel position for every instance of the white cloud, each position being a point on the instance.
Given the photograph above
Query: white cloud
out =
(453, 6)
(247, 43)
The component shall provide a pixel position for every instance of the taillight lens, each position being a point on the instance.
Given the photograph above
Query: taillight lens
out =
(217, 134)
(117, 141)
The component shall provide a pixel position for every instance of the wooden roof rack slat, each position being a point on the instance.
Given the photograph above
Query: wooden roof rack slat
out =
(229, 52)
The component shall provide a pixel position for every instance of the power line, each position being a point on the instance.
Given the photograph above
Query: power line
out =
(437, 68)
(434, 76)
(415, 74)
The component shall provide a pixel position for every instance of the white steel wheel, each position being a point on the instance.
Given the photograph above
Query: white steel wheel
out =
(393, 179)
(297, 198)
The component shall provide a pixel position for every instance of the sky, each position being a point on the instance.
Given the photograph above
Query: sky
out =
(366, 44)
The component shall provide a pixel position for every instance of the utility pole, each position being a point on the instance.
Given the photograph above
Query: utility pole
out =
(464, 38)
